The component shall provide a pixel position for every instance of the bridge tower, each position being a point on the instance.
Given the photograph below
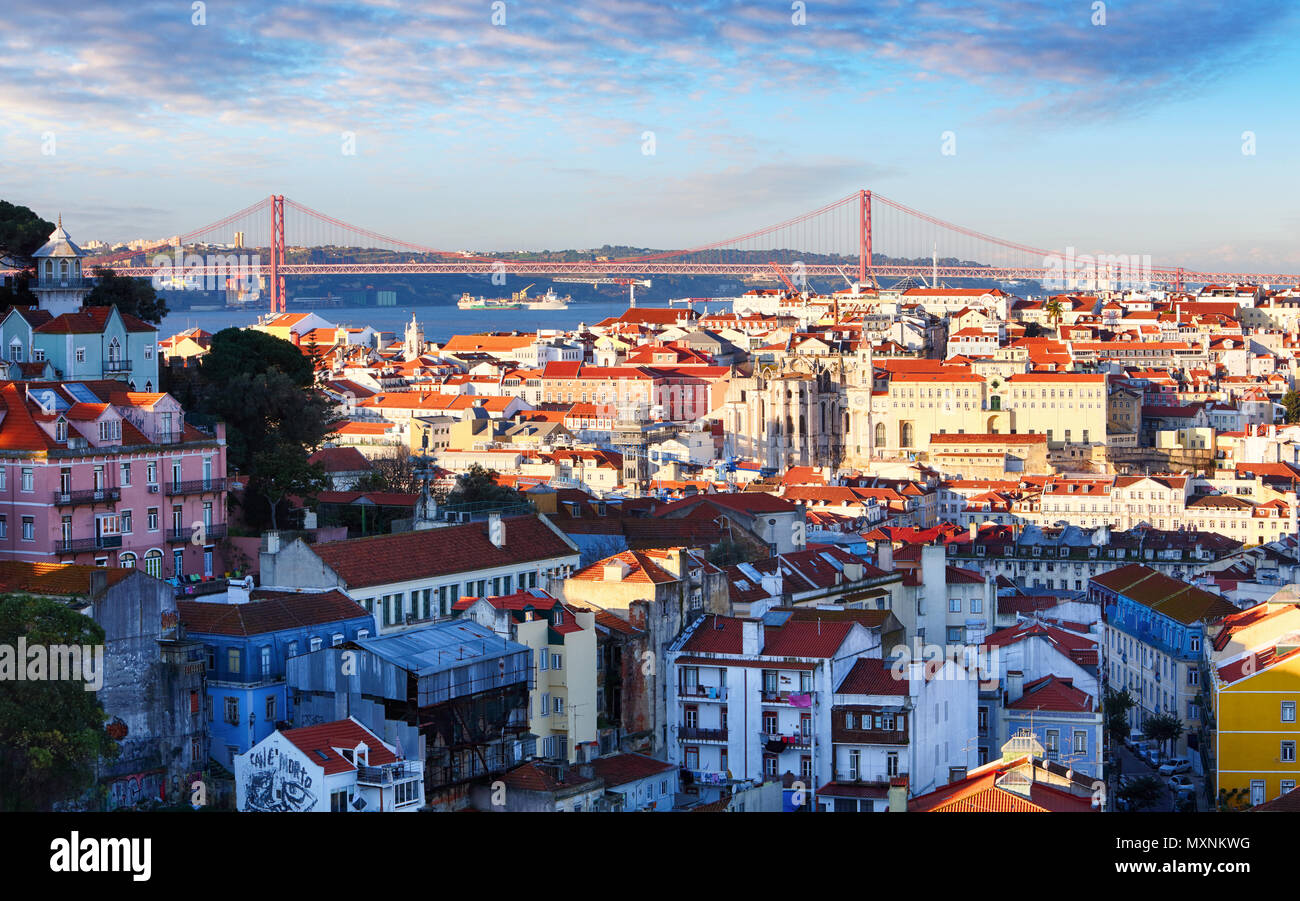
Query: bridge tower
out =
(864, 235)
(278, 304)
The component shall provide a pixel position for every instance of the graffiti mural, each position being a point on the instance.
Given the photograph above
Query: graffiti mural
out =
(278, 783)
(137, 789)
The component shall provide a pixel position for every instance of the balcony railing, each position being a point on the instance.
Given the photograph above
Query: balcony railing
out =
(93, 496)
(197, 486)
(695, 733)
(796, 740)
(703, 692)
(389, 773)
(117, 366)
(73, 545)
(209, 533)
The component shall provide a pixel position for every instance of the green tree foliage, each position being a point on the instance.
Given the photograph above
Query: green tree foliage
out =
(1142, 792)
(132, 296)
(1165, 728)
(264, 389)
(479, 486)
(22, 232)
(51, 732)
(1116, 705)
(1291, 400)
(728, 553)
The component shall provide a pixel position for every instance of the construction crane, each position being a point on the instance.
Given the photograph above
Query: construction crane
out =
(785, 278)
(630, 282)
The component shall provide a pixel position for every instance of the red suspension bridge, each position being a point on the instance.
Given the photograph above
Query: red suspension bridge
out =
(863, 234)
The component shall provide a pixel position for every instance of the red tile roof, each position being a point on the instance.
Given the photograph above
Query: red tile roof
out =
(872, 676)
(1053, 693)
(620, 769)
(319, 742)
(407, 556)
(272, 614)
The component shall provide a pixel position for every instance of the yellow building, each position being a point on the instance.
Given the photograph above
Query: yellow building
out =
(562, 704)
(1254, 670)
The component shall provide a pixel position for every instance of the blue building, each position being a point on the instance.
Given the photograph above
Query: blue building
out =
(247, 647)
(1155, 626)
(1064, 719)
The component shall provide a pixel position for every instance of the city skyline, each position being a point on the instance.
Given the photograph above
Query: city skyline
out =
(1035, 124)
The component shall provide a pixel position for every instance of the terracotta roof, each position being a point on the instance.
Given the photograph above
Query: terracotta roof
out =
(340, 459)
(407, 556)
(273, 614)
(319, 742)
(1053, 693)
(872, 676)
(620, 769)
(54, 579)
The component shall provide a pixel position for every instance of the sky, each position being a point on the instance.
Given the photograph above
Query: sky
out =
(1158, 128)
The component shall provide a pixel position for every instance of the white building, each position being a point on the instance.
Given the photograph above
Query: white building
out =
(339, 767)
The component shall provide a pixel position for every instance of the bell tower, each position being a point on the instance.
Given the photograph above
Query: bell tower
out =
(60, 286)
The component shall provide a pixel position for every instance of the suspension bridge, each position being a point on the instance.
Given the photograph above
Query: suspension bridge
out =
(863, 234)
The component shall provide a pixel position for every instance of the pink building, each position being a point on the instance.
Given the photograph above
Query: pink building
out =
(92, 473)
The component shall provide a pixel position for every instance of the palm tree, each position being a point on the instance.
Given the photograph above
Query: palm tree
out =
(1054, 311)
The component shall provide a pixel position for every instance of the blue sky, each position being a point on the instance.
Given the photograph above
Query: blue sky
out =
(1124, 137)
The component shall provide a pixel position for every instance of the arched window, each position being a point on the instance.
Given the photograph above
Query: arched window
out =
(16, 351)
(126, 560)
(153, 562)
(880, 434)
(905, 435)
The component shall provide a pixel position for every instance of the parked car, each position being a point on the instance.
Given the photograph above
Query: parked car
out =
(1175, 765)
(1179, 784)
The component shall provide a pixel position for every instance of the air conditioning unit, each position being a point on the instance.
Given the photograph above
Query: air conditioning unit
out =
(153, 489)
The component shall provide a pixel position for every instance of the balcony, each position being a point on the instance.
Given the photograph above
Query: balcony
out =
(791, 742)
(197, 486)
(695, 733)
(112, 367)
(209, 533)
(93, 496)
(74, 545)
(703, 692)
(389, 773)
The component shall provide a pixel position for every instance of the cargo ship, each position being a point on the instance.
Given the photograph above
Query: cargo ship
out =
(517, 301)
(550, 301)
(468, 302)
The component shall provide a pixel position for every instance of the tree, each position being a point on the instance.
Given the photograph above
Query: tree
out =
(282, 470)
(51, 731)
(392, 472)
(1165, 728)
(264, 389)
(132, 296)
(1142, 792)
(22, 233)
(1054, 311)
(728, 553)
(479, 486)
(1116, 705)
(1291, 400)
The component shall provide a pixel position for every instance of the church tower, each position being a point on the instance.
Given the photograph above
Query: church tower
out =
(60, 286)
(413, 341)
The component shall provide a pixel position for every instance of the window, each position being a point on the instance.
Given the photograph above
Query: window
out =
(125, 521)
(151, 476)
(29, 479)
(891, 763)
(339, 801)
(336, 639)
(232, 711)
(954, 604)
(692, 758)
(232, 660)
(556, 661)
(270, 708)
(1080, 741)
(29, 528)
(315, 644)
(1288, 711)
(559, 706)
(1053, 740)
(293, 649)
(1288, 752)
(854, 765)
(546, 703)
(543, 660)
(266, 661)
(81, 355)
(152, 515)
(1287, 785)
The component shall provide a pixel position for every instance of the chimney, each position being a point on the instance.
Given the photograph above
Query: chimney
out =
(885, 556)
(751, 637)
(898, 794)
(496, 530)
(1015, 685)
(615, 570)
(974, 531)
(272, 541)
